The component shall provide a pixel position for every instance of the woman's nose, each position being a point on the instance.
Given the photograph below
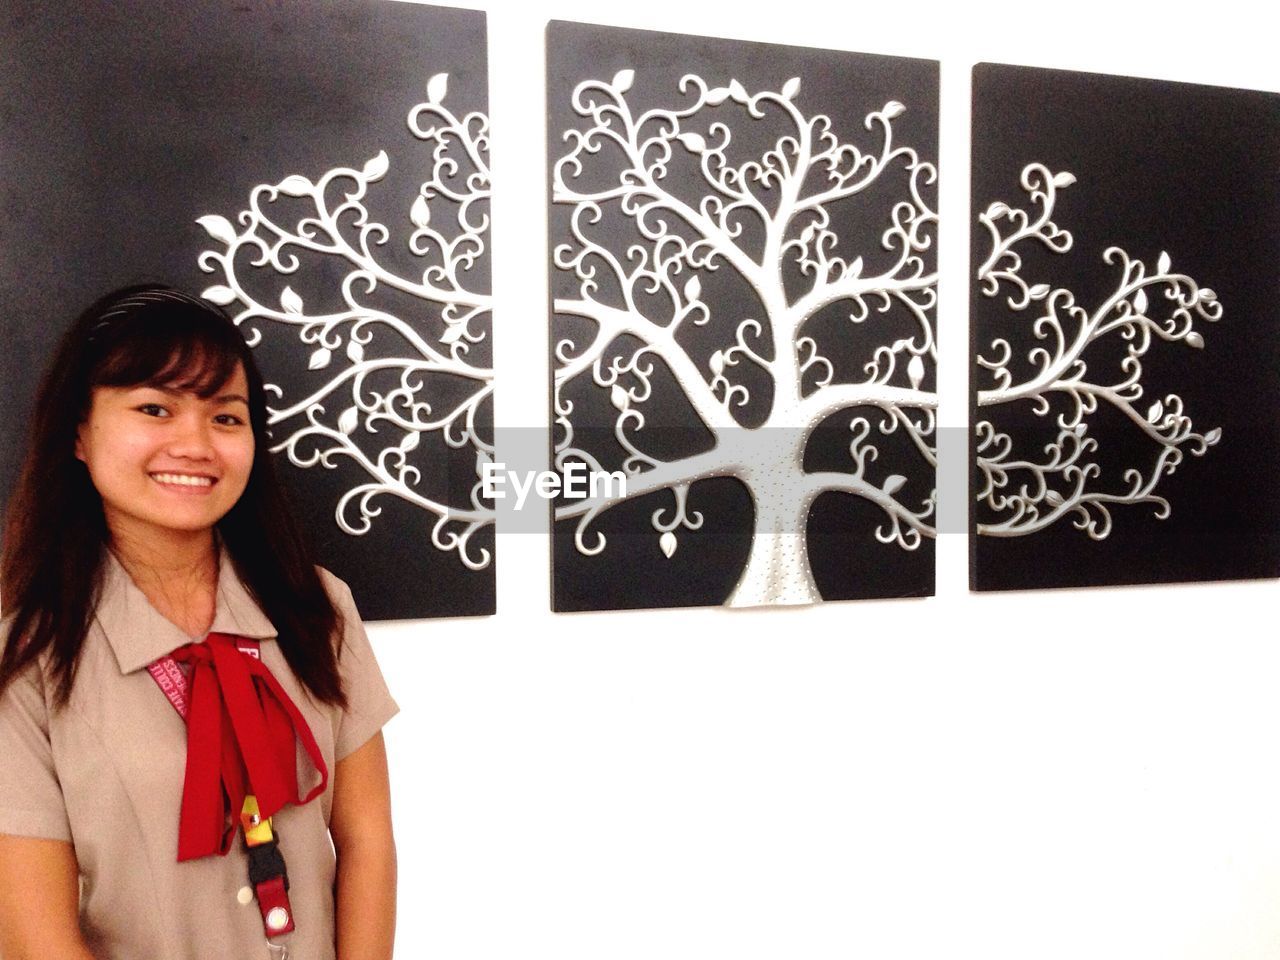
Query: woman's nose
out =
(192, 439)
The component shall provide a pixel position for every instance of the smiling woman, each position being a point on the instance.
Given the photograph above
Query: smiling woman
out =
(169, 653)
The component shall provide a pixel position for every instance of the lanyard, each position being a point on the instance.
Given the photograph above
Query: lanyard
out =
(267, 873)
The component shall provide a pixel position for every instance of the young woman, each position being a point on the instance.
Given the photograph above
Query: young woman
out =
(191, 762)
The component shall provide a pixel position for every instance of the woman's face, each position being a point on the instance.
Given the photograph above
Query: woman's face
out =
(167, 461)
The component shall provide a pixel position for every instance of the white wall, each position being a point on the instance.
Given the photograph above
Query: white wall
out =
(878, 780)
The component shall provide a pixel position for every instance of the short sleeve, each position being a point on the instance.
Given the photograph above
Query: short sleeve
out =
(369, 702)
(31, 803)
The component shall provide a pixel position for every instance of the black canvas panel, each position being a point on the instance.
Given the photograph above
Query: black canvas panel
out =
(127, 122)
(1178, 330)
(743, 281)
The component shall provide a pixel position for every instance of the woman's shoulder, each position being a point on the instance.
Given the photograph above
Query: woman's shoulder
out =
(350, 625)
(34, 674)
(337, 590)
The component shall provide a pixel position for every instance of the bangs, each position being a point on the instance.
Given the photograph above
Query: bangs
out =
(170, 345)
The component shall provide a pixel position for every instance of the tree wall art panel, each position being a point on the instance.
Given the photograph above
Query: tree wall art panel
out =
(743, 327)
(321, 170)
(1125, 330)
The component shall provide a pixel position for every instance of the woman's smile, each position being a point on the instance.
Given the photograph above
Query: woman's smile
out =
(190, 483)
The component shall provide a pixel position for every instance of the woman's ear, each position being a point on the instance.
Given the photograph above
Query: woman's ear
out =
(79, 443)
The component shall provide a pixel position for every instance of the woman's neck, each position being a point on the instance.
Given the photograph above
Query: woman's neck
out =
(179, 575)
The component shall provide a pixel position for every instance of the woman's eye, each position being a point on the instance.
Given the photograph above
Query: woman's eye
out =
(153, 410)
(228, 420)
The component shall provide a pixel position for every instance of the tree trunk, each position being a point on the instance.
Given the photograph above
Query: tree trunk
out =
(777, 571)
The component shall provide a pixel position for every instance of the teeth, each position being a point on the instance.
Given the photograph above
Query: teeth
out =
(183, 479)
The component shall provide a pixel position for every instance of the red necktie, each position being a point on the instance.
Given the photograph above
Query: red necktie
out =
(241, 724)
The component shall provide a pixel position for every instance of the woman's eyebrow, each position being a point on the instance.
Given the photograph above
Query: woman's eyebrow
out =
(179, 391)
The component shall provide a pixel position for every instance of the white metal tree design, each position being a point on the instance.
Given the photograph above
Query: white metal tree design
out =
(790, 198)
(385, 392)
(1029, 494)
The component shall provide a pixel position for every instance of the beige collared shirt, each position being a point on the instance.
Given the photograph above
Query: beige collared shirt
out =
(105, 773)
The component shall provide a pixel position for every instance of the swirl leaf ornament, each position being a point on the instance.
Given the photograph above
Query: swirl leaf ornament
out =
(665, 209)
(394, 339)
(1086, 361)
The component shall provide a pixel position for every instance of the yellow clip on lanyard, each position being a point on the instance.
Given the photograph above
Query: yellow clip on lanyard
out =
(256, 830)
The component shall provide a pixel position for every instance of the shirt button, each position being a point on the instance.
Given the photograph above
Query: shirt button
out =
(245, 896)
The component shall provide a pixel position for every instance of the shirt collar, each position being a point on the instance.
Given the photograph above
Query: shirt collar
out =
(139, 634)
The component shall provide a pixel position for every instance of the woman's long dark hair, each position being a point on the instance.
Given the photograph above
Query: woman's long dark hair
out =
(55, 533)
